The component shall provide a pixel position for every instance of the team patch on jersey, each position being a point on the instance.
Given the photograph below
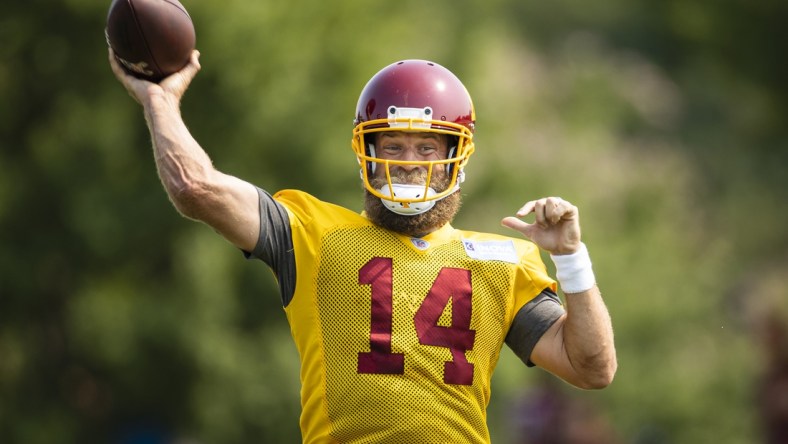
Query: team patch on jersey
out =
(420, 244)
(491, 250)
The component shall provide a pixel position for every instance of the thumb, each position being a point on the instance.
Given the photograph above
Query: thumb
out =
(179, 82)
(193, 67)
(518, 225)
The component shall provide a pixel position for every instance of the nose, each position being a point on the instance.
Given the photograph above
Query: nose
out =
(410, 155)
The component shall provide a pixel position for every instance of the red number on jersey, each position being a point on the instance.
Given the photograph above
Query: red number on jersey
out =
(452, 285)
(379, 359)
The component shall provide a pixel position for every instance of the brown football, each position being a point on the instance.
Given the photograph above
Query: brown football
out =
(151, 38)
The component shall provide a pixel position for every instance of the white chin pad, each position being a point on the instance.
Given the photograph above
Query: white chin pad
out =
(408, 191)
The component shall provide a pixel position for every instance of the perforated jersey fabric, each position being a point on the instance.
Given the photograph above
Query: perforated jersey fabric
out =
(399, 337)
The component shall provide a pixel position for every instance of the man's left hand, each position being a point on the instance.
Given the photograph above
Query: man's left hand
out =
(556, 227)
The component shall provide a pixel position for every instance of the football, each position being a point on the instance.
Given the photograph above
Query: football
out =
(151, 38)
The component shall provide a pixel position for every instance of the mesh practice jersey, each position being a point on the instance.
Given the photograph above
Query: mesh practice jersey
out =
(398, 336)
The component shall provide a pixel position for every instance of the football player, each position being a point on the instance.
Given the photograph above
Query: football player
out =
(399, 317)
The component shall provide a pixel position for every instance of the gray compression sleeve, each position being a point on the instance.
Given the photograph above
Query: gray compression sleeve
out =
(275, 244)
(531, 322)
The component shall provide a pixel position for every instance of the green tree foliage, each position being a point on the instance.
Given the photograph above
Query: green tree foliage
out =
(663, 121)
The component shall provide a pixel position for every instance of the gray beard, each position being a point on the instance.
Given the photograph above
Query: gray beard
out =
(417, 225)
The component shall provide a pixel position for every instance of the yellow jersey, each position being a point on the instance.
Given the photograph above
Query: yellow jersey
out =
(398, 337)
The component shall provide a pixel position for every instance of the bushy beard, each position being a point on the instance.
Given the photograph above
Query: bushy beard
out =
(420, 224)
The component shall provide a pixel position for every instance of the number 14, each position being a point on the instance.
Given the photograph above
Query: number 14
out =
(452, 284)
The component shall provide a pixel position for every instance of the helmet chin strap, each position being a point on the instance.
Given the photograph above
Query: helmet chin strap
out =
(410, 191)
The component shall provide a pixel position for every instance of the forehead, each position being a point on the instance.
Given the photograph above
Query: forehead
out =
(419, 135)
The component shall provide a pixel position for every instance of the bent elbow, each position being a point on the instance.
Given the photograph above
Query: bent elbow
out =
(599, 382)
(599, 378)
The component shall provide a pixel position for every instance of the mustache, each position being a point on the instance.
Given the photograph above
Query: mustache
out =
(419, 225)
(416, 176)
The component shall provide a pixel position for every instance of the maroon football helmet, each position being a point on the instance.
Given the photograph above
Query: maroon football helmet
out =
(414, 95)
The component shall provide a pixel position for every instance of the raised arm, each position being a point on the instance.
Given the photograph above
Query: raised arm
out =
(579, 346)
(197, 189)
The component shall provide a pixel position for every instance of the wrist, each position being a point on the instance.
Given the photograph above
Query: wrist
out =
(574, 271)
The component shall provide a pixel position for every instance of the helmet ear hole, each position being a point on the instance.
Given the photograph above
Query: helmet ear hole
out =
(371, 153)
(453, 142)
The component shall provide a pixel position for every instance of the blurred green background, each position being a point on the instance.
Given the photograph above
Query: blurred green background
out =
(664, 121)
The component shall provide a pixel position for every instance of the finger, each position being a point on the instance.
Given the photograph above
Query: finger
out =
(538, 208)
(113, 63)
(564, 211)
(516, 224)
(526, 209)
(179, 82)
(188, 72)
(554, 209)
(194, 63)
(539, 212)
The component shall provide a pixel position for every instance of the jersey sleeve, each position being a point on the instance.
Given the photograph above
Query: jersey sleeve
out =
(531, 322)
(275, 244)
(536, 306)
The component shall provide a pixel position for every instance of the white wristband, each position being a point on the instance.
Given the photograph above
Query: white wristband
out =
(573, 271)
